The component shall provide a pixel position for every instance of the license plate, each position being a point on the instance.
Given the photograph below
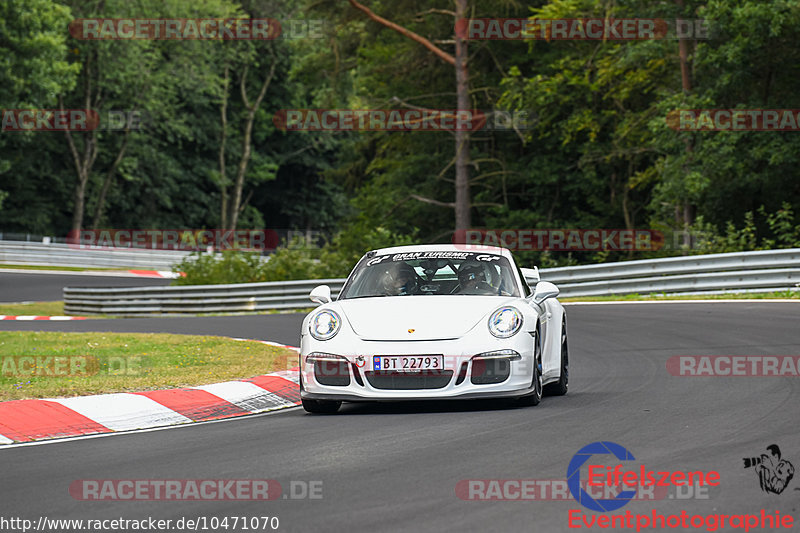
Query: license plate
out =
(407, 363)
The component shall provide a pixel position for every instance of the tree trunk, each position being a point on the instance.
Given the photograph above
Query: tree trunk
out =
(223, 178)
(462, 137)
(83, 165)
(101, 200)
(77, 213)
(686, 85)
(83, 168)
(462, 202)
(236, 196)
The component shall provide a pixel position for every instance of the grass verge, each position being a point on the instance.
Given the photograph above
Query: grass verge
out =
(95, 363)
(33, 308)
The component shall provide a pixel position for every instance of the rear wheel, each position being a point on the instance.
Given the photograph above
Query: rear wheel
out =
(559, 388)
(322, 407)
(536, 396)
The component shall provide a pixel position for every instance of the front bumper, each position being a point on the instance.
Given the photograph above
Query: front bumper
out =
(352, 377)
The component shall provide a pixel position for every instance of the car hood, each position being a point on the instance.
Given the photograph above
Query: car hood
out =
(418, 318)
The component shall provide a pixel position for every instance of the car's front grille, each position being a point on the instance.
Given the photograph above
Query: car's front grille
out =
(424, 379)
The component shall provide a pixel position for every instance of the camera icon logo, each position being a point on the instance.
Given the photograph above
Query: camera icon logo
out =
(774, 473)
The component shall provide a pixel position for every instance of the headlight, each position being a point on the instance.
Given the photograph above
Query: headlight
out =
(314, 357)
(505, 322)
(324, 325)
(511, 355)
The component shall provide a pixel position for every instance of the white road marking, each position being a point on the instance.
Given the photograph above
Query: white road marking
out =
(121, 411)
(248, 396)
(132, 432)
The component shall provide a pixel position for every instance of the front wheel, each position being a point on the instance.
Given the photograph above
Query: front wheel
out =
(321, 407)
(559, 388)
(536, 396)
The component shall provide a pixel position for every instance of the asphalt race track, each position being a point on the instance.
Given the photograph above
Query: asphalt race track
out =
(47, 286)
(395, 467)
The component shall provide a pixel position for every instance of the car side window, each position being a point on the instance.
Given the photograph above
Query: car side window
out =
(525, 287)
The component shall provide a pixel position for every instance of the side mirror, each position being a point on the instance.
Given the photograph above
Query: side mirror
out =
(544, 290)
(320, 294)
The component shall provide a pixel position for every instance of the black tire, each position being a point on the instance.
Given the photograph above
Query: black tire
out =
(560, 387)
(321, 407)
(535, 397)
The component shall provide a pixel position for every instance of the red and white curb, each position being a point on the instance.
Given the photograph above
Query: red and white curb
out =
(35, 317)
(155, 273)
(106, 273)
(31, 420)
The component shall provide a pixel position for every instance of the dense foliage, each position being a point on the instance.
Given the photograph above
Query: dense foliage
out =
(598, 154)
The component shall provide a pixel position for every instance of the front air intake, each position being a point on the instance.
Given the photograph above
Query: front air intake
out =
(424, 379)
(490, 371)
(332, 373)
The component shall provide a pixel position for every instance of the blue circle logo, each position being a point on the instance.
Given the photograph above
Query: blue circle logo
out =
(574, 476)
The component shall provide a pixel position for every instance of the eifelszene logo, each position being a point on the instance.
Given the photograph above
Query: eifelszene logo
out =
(774, 473)
(599, 475)
(574, 476)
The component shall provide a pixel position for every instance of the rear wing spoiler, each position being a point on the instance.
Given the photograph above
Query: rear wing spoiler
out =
(531, 275)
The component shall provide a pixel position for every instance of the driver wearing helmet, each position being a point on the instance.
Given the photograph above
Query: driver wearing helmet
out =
(472, 279)
(399, 279)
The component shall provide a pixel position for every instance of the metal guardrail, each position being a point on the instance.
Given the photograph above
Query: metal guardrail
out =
(693, 264)
(193, 299)
(67, 255)
(768, 270)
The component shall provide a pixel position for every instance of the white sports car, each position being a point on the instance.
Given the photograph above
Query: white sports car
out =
(434, 322)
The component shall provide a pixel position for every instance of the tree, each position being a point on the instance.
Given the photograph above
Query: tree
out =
(462, 144)
(232, 204)
(33, 64)
(135, 76)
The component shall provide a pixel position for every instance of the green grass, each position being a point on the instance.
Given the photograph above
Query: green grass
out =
(33, 308)
(57, 309)
(95, 363)
(785, 295)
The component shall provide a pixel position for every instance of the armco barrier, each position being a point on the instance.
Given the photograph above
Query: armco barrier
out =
(193, 299)
(768, 270)
(65, 255)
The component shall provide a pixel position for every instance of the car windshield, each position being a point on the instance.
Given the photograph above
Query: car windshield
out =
(431, 273)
